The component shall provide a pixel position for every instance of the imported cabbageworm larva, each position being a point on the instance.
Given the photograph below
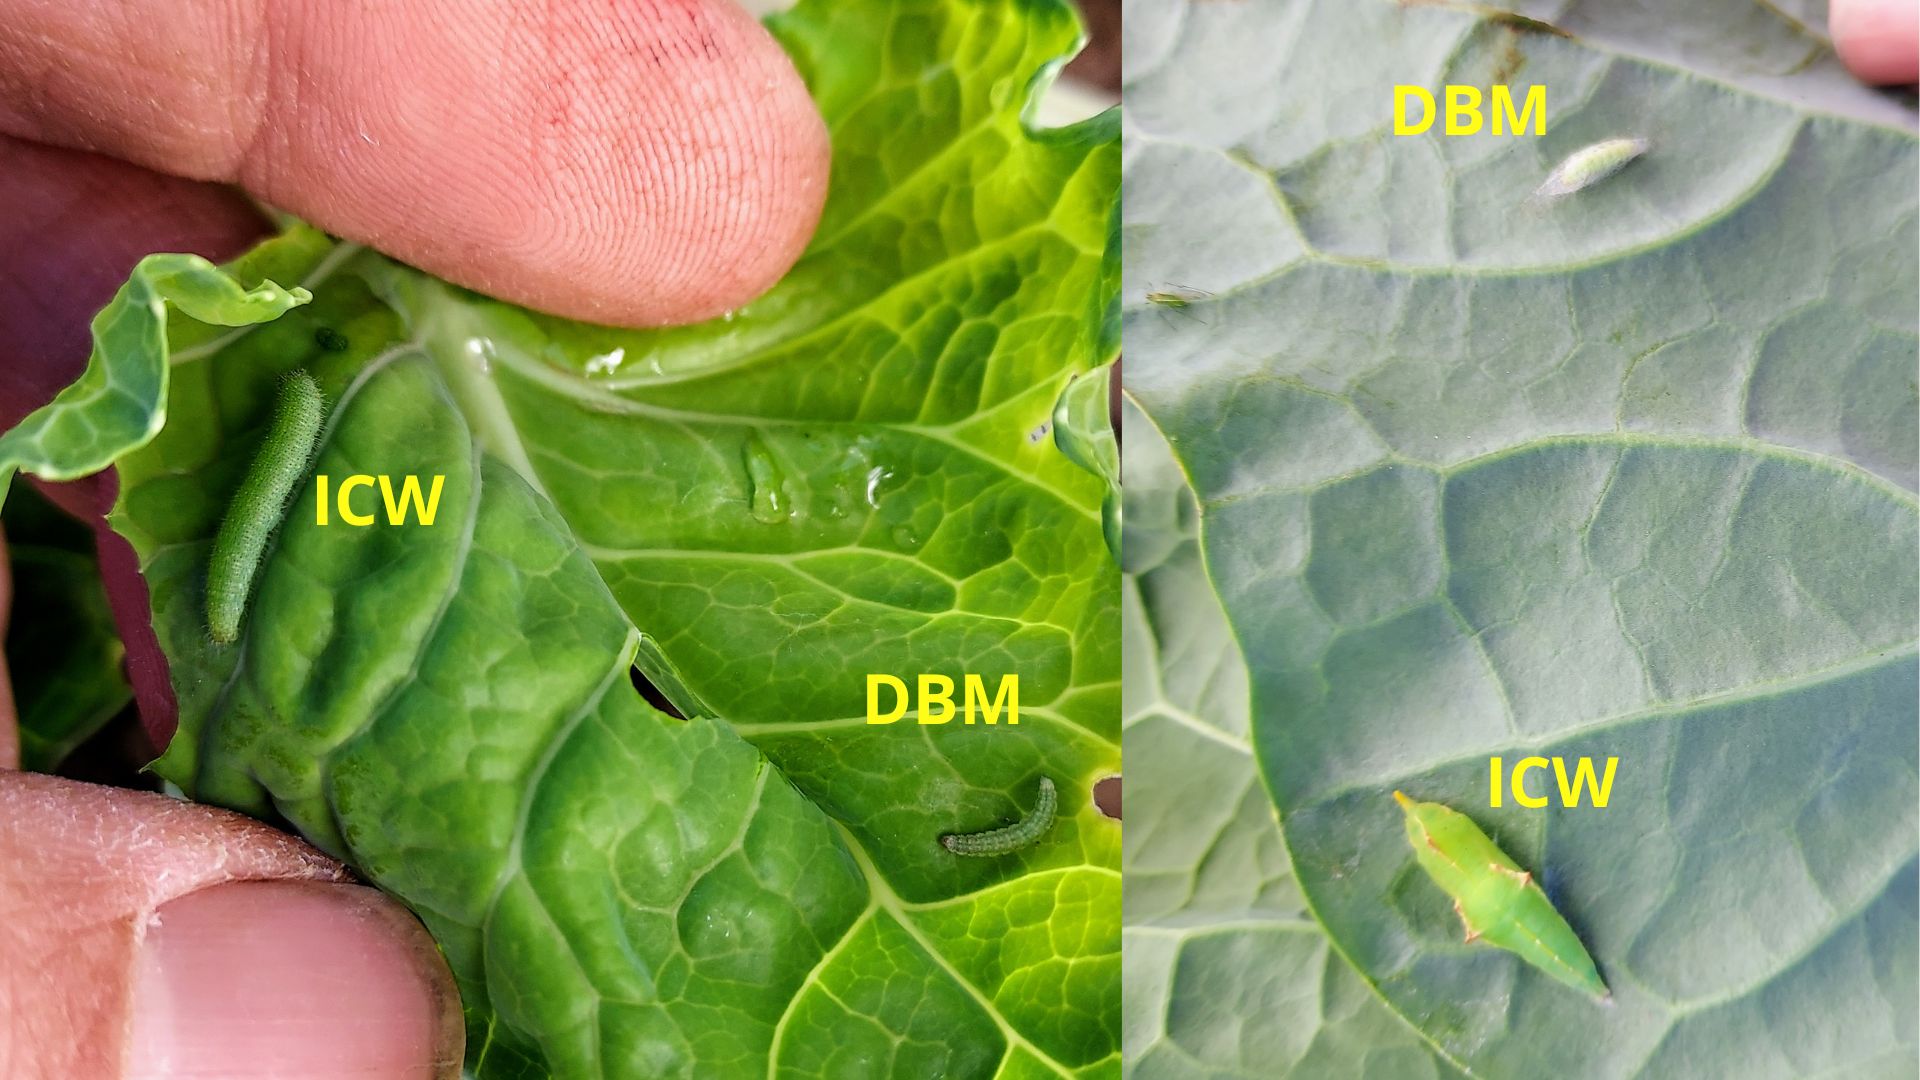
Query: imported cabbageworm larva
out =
(1012, 837)
(1589, 165)
(258, 505)
(1497, 902)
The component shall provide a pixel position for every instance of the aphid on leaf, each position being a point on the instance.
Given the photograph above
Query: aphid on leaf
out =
(260, 502)
(1497, 902)
(1178, 297)
(1012, 837)
(1589, 165)
(330, 339)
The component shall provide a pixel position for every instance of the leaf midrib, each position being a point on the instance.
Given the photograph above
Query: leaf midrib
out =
(1864, 663)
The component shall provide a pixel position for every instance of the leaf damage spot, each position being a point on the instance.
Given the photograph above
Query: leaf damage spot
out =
(1106, 796)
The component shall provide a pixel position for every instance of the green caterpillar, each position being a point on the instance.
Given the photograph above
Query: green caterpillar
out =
(1012, 837)
(258, 505)
(1497, 902)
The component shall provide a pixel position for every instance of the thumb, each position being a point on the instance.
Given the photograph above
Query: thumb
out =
(642, 163)
(141, 937)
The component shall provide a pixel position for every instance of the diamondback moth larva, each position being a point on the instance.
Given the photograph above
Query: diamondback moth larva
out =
(1012, 837)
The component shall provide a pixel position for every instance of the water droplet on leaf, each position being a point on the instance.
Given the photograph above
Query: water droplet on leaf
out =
(767, 494)
(607, 363)
(876, 476)
(480, 351)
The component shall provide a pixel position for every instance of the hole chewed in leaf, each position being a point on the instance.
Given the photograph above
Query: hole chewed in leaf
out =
(652, 693)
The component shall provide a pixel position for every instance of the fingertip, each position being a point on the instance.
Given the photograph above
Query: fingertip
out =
(291, 979)
(645, 164)
(648, 162)
(1878, 40)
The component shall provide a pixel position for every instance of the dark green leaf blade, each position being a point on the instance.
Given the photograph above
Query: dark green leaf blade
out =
(621, 893)
(64, 654)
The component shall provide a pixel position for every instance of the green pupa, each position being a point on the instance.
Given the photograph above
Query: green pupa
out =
(1497, 902)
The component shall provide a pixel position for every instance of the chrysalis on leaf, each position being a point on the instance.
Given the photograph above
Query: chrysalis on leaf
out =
(1498, 902)
(1012, 837)
(1589, 165)
(258, 505)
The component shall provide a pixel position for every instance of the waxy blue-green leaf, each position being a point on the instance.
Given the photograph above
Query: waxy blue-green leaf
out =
(1227, 974)
(839, 479)
(1627, 474)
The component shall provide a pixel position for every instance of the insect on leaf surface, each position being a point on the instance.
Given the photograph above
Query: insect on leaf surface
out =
(1498, 902)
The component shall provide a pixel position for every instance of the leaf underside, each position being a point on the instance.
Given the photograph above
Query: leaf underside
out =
(1226, 972)
(1631, 474)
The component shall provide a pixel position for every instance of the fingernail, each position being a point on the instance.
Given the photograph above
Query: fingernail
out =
(291, 980)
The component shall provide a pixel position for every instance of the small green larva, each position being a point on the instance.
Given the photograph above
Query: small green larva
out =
(1589, 165)
(1012, 837)
(258, 505)
(1497, 902)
